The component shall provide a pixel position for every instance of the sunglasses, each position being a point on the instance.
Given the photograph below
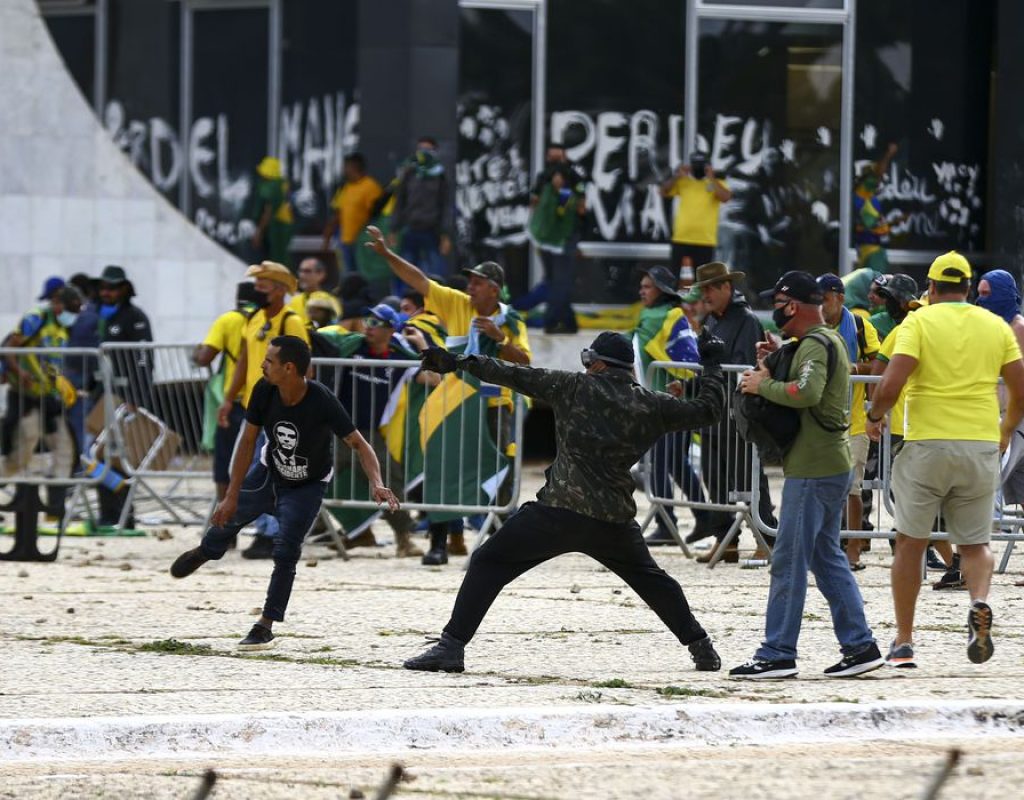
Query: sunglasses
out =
(261, 334)
(373, 322)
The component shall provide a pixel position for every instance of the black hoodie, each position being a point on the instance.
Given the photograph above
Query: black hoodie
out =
(739, 328)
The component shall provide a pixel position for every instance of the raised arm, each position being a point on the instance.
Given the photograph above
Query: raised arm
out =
(542, 384)
(409, 273)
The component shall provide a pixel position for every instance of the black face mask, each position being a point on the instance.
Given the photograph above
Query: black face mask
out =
(261, 299)
(779, 317)
(895, 309)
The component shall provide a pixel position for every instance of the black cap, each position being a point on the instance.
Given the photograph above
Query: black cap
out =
(613, 348)
(799, 286)
(663, 278)
(489, 270)
(899, 287)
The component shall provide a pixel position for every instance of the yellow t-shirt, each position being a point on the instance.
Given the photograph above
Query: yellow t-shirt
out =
(896, 424)
(298, 303)
(225, 335)
(960, 351)
(696, 219)
(858, 412)
(457, 314)
(353, 202)
(258, 334)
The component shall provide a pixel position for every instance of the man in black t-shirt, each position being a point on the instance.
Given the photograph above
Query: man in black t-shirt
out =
(290, 477)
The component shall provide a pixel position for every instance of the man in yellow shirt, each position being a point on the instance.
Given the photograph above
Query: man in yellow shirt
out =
(477, 324)
(312, 277)
(950, 356)
(353, 204)
(273, 283)
(225, 338)
(695, 229)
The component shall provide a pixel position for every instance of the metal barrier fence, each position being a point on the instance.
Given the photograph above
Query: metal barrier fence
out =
(134, 423)
(747, 497)
(447, 445)
(47, 395)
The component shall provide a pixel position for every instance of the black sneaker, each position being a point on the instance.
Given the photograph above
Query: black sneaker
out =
(445, 656)
(934, 562)
(259, 638)
(188, 562)
(435, 557)
(661, 536)
(979, 623)
(865, 661)
(261, 547)
(758, 669)
(952, 579)
(704, 657)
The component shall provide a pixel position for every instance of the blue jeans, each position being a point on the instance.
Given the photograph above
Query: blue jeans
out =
(265, 524)
(809, 523)
(348, 255)
(296, 509)
(422, 248)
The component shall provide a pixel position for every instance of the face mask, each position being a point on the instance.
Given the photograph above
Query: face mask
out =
(107, 311)
(67, 318)
(895, 309)
(780, 318)
(262, 300)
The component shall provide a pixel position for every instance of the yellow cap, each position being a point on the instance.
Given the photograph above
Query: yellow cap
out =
(950, 267)
(270, 168)
(920, 302)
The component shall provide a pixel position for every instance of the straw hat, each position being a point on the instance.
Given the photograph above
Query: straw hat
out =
(272, 271)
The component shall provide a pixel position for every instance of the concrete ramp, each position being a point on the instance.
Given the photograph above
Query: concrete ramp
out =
(70, 201)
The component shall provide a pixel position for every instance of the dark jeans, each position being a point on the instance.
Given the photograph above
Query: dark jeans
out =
(348, 255)
(537, 533)
(725, 462)
(296, 509)
(558, 275)
(671, 462)
(224, 444)
(422, 248)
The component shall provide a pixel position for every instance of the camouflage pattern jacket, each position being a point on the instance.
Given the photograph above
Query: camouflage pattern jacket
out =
(604, 423)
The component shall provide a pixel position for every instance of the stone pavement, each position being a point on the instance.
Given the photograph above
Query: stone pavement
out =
(106, 632)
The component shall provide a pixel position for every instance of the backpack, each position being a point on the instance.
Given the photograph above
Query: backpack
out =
(772, 427)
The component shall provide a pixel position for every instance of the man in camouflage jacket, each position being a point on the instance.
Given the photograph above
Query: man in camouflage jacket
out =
(604, 422)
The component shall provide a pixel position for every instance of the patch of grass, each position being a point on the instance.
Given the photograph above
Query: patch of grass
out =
(686, 691)
(176, 647)
(614, 683)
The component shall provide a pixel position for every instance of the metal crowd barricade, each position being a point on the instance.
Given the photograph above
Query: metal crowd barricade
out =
(711, 467)
(441, 448)
(47, 395)
(155, 431)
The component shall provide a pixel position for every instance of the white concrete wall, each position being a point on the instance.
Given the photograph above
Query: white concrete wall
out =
(71, 202)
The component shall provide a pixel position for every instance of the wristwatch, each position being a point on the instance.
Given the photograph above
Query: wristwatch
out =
(872, 419)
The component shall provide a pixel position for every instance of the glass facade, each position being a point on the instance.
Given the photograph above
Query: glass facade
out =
(495, 124)
(769, 120)
(769, 107)
(923, 84)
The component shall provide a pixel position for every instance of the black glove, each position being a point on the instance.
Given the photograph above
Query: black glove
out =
(437, 359)
(711, 349)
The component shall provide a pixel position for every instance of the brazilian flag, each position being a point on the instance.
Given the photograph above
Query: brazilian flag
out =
(461, 463)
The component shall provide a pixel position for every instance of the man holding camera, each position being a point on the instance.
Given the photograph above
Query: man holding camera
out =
(695, 228)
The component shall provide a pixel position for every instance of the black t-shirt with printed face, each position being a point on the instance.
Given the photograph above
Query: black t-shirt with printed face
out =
(300, 444)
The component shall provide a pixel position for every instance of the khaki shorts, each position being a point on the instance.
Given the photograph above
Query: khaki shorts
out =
(859, 446)
(958, 478)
